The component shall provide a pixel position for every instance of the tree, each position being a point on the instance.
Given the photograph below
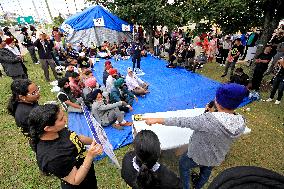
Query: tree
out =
(147, 13)
(58, 20)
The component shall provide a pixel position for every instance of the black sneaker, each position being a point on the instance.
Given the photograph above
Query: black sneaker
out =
(223, 75)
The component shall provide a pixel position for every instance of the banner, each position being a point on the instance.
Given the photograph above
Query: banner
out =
(99, 135)
(99, 21)
(125, 27)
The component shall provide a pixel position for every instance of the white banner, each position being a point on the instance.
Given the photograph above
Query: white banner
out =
(100, 135)
(99, 21)
(125, 27)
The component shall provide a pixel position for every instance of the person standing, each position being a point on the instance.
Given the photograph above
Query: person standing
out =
(61, 152)
(136, 56)
(27, 42)
(45, 57)
(11, 63)
(262, 62)
(278, 83)
(213, 133)
(234, 54)
(225, 50)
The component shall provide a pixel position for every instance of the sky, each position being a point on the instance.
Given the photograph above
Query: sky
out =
(26, 8)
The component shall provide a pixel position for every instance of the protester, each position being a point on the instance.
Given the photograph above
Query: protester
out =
(90, 85)
(107, 114)
(61, 152)
(25, 96)
(27, 42)
(76, 85)
(233, 57)
(120, 93)
(10, 44)
(45, 57)
(141, 169)
(278, 83)
(240, 77)
(225, 50)
(262, 62)
(13, 65)
(67, 98)
(135, 84)
(136, 56)
(214, 133)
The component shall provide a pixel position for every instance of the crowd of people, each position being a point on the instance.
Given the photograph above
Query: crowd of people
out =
(192, 52)
(62, 152)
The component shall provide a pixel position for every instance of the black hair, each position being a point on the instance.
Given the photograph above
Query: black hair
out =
(239, 70)
(147, 149)
(91, 97)
(62, 82)
(18, 87)
(39, 118)
(238, 39)
(74, 75)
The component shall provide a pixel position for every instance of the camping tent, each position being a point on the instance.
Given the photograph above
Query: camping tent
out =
(96, 24)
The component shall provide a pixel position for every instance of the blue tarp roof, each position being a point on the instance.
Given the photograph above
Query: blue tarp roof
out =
(85, 19)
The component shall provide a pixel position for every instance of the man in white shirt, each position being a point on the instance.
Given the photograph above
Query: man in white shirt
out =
(135, 84)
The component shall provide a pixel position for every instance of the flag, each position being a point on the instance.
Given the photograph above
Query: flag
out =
(99, 135)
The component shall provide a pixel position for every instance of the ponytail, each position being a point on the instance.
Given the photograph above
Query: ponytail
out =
(18, 87)
(146, 178)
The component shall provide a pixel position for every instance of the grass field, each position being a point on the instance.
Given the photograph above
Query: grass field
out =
(263, 147)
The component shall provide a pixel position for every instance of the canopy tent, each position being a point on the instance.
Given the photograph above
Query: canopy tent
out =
(96, 24)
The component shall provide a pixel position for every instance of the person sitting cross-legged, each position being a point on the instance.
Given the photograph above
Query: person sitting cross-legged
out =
(120, 93)
(107, 114)
(135, 84)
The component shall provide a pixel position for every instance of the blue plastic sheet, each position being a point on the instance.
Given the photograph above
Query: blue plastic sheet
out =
(170, 89)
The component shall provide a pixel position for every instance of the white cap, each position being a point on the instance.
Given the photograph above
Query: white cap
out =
(81, 54)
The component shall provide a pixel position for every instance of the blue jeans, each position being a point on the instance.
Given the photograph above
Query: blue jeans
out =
(185, 166)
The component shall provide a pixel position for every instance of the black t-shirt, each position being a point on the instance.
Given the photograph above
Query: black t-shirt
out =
(167, 178)
(235, 50)
(263, 56)
(59, 156)
(22, 113)
(83, 62)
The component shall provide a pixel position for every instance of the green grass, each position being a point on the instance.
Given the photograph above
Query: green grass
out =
(263, 147)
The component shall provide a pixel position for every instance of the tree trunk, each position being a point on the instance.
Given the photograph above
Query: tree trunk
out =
(270, 24)
(150, 34)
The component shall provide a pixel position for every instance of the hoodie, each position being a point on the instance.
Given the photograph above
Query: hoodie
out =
(213, 135)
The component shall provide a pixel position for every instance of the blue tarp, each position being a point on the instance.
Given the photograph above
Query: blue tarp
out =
(85, 19)
(170, 89)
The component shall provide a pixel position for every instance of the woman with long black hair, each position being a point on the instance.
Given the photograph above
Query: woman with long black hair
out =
(61, 152)
(140, 168)
(25, 96)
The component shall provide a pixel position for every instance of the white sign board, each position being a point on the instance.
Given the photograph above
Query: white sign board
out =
(99, 21)
(125, 27)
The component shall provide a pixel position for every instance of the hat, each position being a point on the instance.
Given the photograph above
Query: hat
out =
(107, 67)
(74, 75)
(119, 82)
(231, 95)
(129, 70)
(9, 40)
(62, 82)
(107, 63)
(112, 71)
(91, 82)
(81, 54)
